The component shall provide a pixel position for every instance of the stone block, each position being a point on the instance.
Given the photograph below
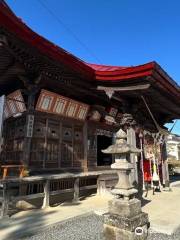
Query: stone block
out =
(129, 224)
(24, 205)
(114, 233)
(125, 208)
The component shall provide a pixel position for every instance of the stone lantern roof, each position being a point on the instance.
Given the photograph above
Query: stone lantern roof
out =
(121, 146)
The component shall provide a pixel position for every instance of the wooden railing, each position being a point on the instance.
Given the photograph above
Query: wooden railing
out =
(39, 188)
(46, 186)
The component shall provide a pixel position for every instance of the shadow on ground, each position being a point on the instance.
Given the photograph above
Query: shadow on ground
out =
(26, 226)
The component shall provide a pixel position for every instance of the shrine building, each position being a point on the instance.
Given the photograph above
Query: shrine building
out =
(60, 112)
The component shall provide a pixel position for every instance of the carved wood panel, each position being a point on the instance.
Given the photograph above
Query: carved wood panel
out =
(39, 130)
(92, 147)
(51, 155)
(78, 148)
(37, 152)
(13, 133)
(53, 103)
(66, 155)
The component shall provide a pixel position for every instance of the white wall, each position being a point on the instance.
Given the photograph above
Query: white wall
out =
(173, 147)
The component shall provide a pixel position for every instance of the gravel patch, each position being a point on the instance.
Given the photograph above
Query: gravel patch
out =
(86, 227)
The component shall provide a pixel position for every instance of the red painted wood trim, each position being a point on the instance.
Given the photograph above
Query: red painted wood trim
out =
(122, 78)
(9, 21)
(15, 25)
(128, 70)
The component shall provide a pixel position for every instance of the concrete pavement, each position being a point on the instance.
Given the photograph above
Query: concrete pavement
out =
(29, 222)
(163, 209)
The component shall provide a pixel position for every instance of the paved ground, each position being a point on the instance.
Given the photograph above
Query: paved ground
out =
(59, 222)
(29, 222)
(87, 227)
(164, 211)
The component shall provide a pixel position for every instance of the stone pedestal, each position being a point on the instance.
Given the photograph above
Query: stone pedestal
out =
(115, 231)
(125, 220)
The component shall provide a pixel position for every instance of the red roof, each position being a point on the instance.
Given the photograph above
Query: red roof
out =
(117, 74)
(100, 73)
(120, 73)
(98, 67)
(12, 23)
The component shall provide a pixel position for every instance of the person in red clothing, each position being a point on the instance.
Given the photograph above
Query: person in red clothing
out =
(147, 171)
(147, 174)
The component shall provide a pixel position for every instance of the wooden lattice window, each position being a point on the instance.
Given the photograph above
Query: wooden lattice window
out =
(66, 154)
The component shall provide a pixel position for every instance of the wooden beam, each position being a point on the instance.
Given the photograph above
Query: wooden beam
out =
(88, 187)
(27, 197)
(129, 88)
(70, 190)
(85, 144)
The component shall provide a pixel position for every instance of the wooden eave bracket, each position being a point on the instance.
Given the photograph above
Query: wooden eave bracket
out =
(110, 90)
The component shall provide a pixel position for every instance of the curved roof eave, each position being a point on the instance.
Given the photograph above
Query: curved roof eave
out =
(100, 73)
(157, 76)
(12, 23)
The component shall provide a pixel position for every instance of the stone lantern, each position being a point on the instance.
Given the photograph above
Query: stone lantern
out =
(125, 220)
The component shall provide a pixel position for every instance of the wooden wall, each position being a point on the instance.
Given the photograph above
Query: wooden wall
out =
(57, 143)
(13, 146)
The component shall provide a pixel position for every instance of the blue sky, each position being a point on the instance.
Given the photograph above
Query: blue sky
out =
(114, 32)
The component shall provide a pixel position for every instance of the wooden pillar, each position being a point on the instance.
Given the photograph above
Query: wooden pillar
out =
(28, 137)
(85, 144)
(45, 144)
(46, 194)
(76, 190)
(29, 126)
(31, 90)
(5, 203)
(2, 104)
(73, 145)
(60, 145)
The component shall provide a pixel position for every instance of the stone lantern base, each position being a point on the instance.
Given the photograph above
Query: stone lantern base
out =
(125, 221)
